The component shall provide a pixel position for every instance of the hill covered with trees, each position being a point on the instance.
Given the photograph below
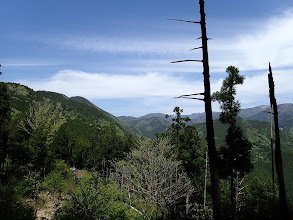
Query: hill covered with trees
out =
(82, 162)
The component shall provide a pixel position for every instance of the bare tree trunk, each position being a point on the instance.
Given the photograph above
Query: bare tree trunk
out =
(215, 180)
(272, 150)
(205, 183)
(278, 155)
(187, 204)
(232, 195)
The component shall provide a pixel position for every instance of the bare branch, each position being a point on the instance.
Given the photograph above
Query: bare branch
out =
(194, 22)
(196, 48)
(181, 61)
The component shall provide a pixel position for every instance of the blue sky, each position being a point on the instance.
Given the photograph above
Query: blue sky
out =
(117, 53)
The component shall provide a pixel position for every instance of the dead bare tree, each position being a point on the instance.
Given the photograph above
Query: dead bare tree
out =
(214, 170)
(278, 154)
(147, 174)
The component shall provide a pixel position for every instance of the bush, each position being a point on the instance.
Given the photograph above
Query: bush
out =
(94, 199)
(59, 179)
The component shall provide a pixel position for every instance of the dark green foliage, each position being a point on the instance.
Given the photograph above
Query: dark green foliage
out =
(94, 199)
(59, 179)
(191, 154)
(4, 123)
(85, 138)
(108, 145)
(187, 144)
(90, 147)
(178, 124)
(226, 96)
(12, 206)
(22, 96)
(235, 156)
(260, 202)
(19, 150)
(258, 134)
(257, 200)
(72, 142)
(37, 148)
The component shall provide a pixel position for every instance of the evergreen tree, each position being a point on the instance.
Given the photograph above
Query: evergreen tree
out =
(235, 157)
(187, 144)
(178, 124)
(4, 122)
(188, 150)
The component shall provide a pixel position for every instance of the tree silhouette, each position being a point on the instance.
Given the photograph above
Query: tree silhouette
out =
(278, 154)
(235, 157)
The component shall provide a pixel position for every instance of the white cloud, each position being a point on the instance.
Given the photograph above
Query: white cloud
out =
(270, 42)
(249, 47)
(255, 89)
(107, 86)
(135, 94)
(155, 92)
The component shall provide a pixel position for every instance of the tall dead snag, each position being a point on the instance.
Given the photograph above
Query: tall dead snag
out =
(214, 170)
(215, 180)
(272, 151)
(278, 155)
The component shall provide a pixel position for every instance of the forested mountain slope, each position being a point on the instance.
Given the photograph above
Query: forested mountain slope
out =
(258, 133)
(88, 134)
(254, 123)
(152, 123)
(22, 96)
(48, 132)
(147, 126)
(87, 125)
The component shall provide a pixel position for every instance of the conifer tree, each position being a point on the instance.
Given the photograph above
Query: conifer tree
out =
(235, 156)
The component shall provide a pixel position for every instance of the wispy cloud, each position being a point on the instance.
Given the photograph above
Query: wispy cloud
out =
(118, 45)
(267, 41)
(249, 47)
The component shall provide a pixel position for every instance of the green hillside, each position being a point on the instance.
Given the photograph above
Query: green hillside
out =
(22, 96)
(50, 132)
(147, 126)
(85, 124)
(258, 133)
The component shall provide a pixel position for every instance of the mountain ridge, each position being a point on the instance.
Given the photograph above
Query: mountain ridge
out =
(258, 113)
(22, 96)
